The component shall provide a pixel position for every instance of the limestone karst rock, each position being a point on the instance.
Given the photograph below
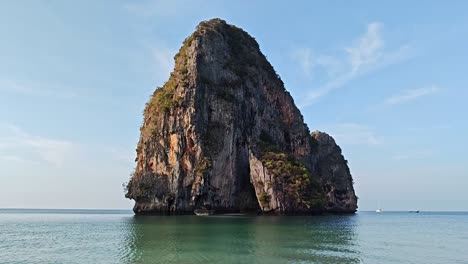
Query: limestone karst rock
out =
(335, 176)
(224, 134)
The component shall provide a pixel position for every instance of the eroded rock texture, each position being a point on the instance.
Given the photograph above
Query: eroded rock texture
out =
(224, 134)
(334, 174)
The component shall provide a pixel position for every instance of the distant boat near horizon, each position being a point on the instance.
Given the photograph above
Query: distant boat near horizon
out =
(379, 209)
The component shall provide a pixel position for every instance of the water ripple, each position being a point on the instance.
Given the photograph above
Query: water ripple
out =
(81, 237)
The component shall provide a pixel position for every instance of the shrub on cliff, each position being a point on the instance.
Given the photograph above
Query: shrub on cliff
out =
(293, 182)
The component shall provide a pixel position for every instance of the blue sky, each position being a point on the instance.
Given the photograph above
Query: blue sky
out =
(388, 80)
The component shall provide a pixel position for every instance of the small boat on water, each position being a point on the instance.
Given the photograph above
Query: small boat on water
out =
(203, 212)
(416, 212)
(379, 209)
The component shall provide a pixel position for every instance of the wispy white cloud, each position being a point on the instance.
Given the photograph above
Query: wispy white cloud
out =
(123, 155)
(353, 134)
(160, 8)
(36, 159)
(332, 65)
(368, 48)
(410, 95)
(53, 91)
(303, 56)
(413, 155)
(17, 145)
(36, 89)
(432, 127)
(11, 158)
(363, 57)
(327, 87)
(164, 60)
(150, 8)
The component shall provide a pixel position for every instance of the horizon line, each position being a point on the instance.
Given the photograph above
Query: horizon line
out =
(110, 209)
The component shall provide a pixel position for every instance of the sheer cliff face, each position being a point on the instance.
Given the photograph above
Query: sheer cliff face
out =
(223, 133)
(334, 174)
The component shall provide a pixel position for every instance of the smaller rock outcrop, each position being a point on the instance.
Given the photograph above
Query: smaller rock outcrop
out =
(335, 175)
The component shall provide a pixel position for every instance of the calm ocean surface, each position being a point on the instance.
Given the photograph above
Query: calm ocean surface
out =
(87, 236)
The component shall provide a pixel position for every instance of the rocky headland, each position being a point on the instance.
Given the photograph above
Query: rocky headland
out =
(224, 134)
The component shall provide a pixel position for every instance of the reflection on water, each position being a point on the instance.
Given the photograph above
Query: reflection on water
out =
(76, 236)
(216, 239)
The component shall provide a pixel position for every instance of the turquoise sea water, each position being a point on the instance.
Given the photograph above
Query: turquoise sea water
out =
(87, 236)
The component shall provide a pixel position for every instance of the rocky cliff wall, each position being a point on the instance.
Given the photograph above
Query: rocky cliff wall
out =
(223, 133)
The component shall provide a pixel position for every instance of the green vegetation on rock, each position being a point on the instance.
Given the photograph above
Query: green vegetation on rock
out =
(201, 171)
(293, 181)
(204, 165)
(264, 199)
(146, 185)
(165, 98)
